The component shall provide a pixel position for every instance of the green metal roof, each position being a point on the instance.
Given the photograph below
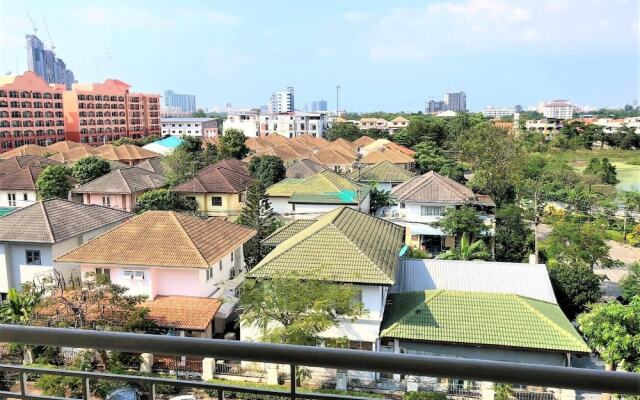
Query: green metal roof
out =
(6, 210)
(384, 171)
(344, 245)
(474, 318)
(287, 231)
(325, 187)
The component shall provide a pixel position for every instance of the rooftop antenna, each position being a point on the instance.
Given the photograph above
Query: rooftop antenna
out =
(33, 24)
(53, 46)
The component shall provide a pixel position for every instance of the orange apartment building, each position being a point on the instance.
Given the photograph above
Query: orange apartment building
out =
(97, 113)
(31, 111)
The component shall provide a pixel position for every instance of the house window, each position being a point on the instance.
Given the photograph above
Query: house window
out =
(12, 199)
(106, 201)
(241, 197)
(104, 272)
(209, 273)
(216, 201)
(401, 205)
(137, 275)
(25, 197)
(357, 345)
(232, 256)
(33, 257)
(220, 265)
(431, 210)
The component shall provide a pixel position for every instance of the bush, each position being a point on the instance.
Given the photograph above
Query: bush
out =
(59, 386)
(418, 253)
(425, 396)
(633, 238)
(246, 396)
(614, 235)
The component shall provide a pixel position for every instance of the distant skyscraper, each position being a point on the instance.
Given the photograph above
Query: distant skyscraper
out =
(283, 102)
(435, 106)
(186, 102)
(320, 105)
(45, 64)
(455, 101)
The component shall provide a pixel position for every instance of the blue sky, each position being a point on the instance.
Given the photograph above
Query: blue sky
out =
(386, 55)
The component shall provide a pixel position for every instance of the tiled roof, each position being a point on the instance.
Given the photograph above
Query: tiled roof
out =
(382, 172)
(125, 152)
(435, 188)
(123, 181)
(183, 312)
(480, 319)
(304, 168)
(154, 165)
(25, 150)
(329, 156)
(15, 163)
(66, 145)
(227, 176)
(287, 231)
(401, 149)
(363, 141)
(325, 187)
(344, 245)
(51, 221)
(309, 141)
(163, 239)
(399, 118)
(23, 179)
(386, 154)
(343, 144)
(73, 155)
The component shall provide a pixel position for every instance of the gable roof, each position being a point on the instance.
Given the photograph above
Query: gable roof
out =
(386, 154)
(51, 221)
(124, 180)
(343, 245)
(399, 118)
(183, 312)
(25, 150)
(309, 141)
(325, 187)
(66, 145)
(23, 179)
(329, 156)
(162, 239)
(304, 168)
(435, 188)
(382, 172)
(15, 163)
(480, 319)
(363, 141)
(523, 279)
(285, 232)
(344, 144)
(73, 155)
(154, 165)
(124, 152)
(226, 176)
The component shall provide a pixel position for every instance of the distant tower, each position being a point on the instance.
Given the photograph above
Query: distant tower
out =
(337, 100)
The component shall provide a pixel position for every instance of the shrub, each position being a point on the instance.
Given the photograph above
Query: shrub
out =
(425, 396)
(633, 238)
(614, 235)
(59, 386)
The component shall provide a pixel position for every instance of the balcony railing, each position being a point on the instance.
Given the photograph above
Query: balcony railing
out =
(293, 356)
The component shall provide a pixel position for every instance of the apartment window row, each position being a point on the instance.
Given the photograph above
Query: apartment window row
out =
(28, 104)
(98, 97)
(84, 122)
(28, 95)
(84, 114)
(27, 133)
(30, 114)
(91, 106)
(29, 124)
(85, 131)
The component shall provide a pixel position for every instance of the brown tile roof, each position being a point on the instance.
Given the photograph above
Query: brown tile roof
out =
(183, 312)
(286, 151)
(26, 150)
(332, 157)
(226, 176)
(22, 179)
(343, 144)
(54, 220)
(256, 144)
(309, 141)
(435, 188)
(66, 145)
(15, 163)
(363, 141)
(274, 139)
(73, 155)
(402, 149)
(154, 165)
(163, 239)
(123, 181)
(125, 152)
(387, 154)
(304, 168)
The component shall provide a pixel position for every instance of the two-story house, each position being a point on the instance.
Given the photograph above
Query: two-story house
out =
(384, 175)
(424, 200)
(219, 189)
(33, 236)
(119, 189)
(164, 253)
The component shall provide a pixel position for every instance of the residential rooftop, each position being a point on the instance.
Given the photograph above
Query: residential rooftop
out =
(384, 171)
(435, 188)
(123, 181)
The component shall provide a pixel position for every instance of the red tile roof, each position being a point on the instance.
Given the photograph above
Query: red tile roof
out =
(183, 312)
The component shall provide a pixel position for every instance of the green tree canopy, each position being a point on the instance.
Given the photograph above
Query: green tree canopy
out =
(180, 166)
(429, 157)
(343, 130)
(232, 144)
(267, 170)
(378, 198)
(54, 182)
(603, 170)
(90, 168)
(293, 311)
(257, 214)
(630, 284)
(467, 251)
(513, 235)
(463, 220)
(578, 244)
(165, 200)
(575, 287)
(20, 305)
(422, 128)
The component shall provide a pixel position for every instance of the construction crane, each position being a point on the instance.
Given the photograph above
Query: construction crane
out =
(33, 24)
(53, 46)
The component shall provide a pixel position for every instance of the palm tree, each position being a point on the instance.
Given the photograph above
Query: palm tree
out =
(19, 306)
(474, 251)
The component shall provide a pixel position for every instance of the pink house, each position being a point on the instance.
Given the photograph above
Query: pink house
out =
(118, 189)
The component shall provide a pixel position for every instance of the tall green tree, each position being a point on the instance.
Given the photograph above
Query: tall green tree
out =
(422, 128)
(630, 284)
(603, 170)
(232, 144)
(429, 157)
(257, 214)
(578, 244)
(343, 130)
(460, 221)
(90, 168)
(164, 200)
(467, 251)
(54, 182)
(513, 235)
(289, 310)
(378, 198)
(575, 287)
(267, 170)
(180, 166)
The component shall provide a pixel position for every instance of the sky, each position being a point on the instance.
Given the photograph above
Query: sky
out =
(385, 55)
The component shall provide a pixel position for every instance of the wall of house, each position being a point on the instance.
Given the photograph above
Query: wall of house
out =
(20, 201)
(118, 201)
(280, 205)
(231, 204)
(484, 353)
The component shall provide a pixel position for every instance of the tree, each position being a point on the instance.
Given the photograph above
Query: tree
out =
(429, 157)
(257, 214)
(19, 305)
(578, 244)
(267, 170)
(232, 144)
(613, 330)
(513, 236)
(289, 310)
(603, 170)
(54, 182)
(343, 130)
(630, 284)
(575, 287)
(165, 200)
(180, 165)
(378, 198)
(460, 221)
(421, 129)
(90, 168)
(467, 251)
(209, 155)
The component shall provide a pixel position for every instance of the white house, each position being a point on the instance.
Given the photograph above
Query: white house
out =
(246, 121)
(199, 127)
(32, 237)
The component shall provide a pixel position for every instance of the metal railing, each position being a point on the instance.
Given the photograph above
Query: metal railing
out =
(478, 370)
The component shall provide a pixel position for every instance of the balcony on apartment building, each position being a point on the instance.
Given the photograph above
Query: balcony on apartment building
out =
(226, 361)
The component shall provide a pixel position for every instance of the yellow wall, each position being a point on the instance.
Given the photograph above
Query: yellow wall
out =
(231, 205)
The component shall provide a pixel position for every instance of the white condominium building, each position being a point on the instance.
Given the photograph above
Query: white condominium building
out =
(560, 109)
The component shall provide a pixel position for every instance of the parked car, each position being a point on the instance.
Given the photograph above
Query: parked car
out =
(124, 394)
(185, 397)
